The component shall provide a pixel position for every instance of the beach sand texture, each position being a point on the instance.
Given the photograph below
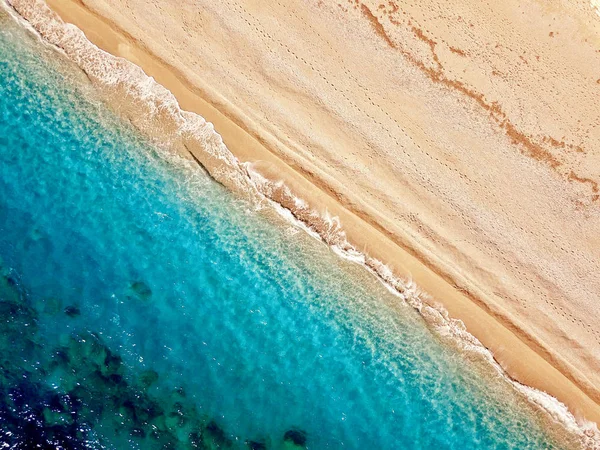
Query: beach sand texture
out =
(458, 142)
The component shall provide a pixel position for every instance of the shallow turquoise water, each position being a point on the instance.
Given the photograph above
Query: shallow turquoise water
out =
(144, 306)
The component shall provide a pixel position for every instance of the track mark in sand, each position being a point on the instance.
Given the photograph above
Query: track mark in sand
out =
(376, 24)
(458, 51)
(562, 144)
(430, 42)
(526, 143)
(594, 184)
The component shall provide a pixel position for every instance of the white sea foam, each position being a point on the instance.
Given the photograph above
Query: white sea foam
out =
(595, 4)
(105, 70)
(436, 316)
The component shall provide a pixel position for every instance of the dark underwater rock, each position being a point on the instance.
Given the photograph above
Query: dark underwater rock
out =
(17, 316)
(112, 364)
(127, 410)
(296, 437)
(179, 393)
(195, 440)
(92, 389)
(54, 418)
(117, 379)
(88, 349)
(255, 445)
(60, 357)
(11, 281)
(28, 427)
(72, 311)
(137, 432)
(140, 290)
(215, 437)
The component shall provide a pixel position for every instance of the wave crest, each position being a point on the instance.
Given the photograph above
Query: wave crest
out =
(149, 105)
(329, 230)
(156, 112)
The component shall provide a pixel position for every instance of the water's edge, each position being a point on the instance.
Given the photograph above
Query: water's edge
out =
(181, 130)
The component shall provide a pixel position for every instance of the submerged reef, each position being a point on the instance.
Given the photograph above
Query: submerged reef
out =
(295, 438)
(78, 393)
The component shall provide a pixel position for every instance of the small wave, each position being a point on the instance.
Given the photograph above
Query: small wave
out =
(159, 106)
(329, 230)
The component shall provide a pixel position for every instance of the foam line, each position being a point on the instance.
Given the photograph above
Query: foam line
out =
(106, 70)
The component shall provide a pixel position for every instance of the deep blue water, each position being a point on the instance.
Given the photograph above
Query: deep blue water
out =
(144, 306)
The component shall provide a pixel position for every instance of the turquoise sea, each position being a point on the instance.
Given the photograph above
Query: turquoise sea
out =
(144, 306)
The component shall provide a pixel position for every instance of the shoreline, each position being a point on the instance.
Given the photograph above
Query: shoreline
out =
(517, 353)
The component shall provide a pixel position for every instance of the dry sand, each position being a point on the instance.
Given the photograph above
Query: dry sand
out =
(458, 142)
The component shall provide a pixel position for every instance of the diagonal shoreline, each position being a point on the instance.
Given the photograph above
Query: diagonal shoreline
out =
(517, 352)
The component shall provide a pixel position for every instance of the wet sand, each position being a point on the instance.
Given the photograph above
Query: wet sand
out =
(460, 146)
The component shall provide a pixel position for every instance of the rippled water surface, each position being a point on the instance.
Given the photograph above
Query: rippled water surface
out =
(144, 306)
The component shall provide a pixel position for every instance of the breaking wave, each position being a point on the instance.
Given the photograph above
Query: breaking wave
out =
(156, 112)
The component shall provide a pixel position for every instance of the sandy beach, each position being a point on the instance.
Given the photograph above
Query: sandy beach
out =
(459, 144)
